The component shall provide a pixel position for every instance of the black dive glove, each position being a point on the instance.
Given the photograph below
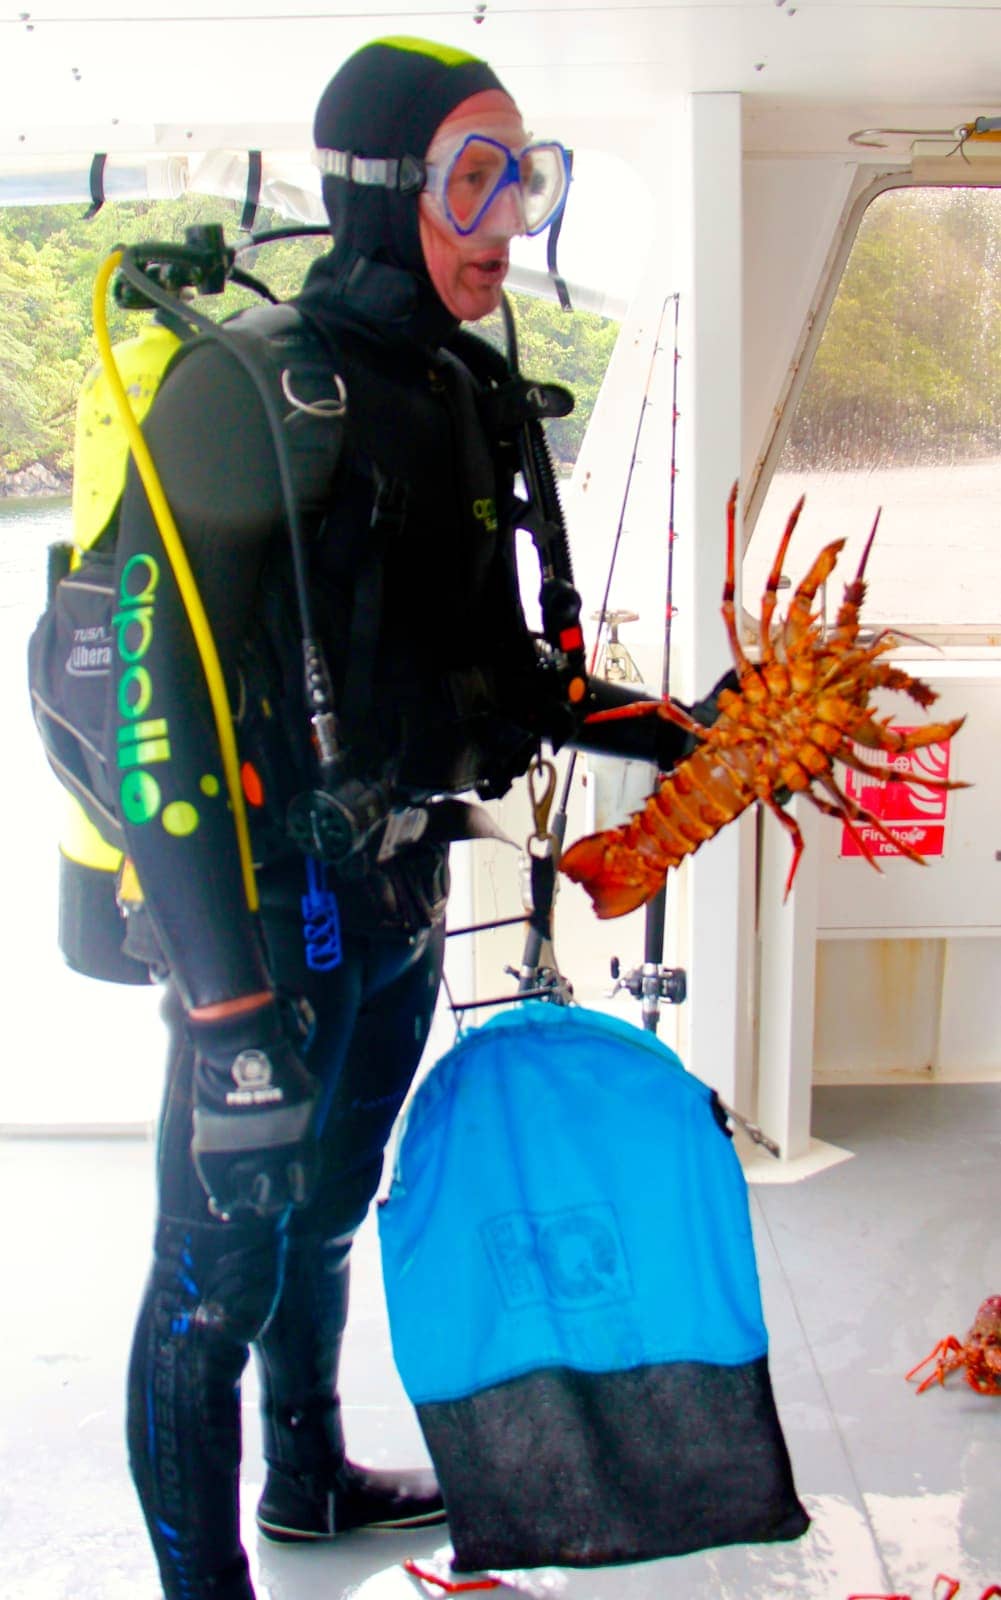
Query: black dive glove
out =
(254, 1144)
(644, 738)
(706, 711)
(674, 744)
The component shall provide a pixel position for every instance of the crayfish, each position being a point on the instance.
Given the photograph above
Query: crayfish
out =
(979, 1356)
(802, 706)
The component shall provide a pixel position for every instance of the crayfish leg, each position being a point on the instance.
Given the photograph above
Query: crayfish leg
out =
(792, 829)
(841, 815)
(982, 1381)
(883, 676)
(851, 758)
(769, 598)
(646, 708)
(850, 812)
(672, 712)
(932, 733)
(845, 627)
(945, 1357)
(799, 616)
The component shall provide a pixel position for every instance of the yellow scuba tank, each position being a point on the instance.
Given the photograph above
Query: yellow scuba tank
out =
(91, 923)
(100, 447)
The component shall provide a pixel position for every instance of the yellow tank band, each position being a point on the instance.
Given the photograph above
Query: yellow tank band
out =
(81, 842)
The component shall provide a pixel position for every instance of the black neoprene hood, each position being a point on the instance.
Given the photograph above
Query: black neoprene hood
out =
(387, 100)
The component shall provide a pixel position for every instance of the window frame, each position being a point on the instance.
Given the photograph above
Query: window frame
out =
(802, 361)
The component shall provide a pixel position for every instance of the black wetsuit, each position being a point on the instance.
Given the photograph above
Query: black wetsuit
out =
(436, 679)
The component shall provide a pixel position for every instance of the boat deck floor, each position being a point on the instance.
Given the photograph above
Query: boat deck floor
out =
(863, 1266)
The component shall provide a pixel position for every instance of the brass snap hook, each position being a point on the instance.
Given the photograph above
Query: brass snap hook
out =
(541, 789)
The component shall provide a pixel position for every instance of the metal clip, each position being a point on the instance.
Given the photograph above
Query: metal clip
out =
(542, 801)
(754, 1133)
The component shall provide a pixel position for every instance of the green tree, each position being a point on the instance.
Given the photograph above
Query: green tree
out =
(573, 349)
(49, 258)
(41, 368)
(910, 358)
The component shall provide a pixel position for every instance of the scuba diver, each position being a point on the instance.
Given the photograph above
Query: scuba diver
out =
(296, 1024)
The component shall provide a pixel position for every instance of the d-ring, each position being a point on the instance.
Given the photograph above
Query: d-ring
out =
(332, 407)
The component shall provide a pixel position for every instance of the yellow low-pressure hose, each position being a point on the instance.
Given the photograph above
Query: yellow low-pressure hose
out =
(192, 600)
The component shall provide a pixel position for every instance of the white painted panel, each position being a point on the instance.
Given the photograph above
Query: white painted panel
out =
(919, 1008)
(877, 1008)
(969, 1041)
(717, 904)
(786, 935)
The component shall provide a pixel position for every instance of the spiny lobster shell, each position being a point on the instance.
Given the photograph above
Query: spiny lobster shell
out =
(979, 1357)
(802, 707)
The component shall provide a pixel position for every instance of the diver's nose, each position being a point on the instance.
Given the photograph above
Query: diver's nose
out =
(506, 214)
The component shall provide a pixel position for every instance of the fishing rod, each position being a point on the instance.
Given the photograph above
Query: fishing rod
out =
(651, 983)
(657, 982)
(545, 845)
(561, 810)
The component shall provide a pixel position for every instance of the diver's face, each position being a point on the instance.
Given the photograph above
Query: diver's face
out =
(468, 271)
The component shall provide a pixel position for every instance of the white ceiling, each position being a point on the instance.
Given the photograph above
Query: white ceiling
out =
(175, 74)
(163, 81)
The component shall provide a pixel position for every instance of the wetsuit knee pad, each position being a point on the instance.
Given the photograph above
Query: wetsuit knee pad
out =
(222, 1280)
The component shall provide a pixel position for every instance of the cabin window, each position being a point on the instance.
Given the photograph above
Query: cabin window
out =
(900, 411)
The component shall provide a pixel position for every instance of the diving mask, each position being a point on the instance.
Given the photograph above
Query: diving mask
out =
(464, 181)
(466, 178)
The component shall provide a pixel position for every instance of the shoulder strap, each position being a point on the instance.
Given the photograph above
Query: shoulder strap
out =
(388, 517)
(514, 408)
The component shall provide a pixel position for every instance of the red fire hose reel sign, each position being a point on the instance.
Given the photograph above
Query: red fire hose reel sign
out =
(903, 804)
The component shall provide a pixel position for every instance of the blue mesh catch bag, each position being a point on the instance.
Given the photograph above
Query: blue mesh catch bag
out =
(574, 1301)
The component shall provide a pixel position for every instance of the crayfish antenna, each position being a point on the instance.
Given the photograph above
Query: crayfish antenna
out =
(860, 574)
(847, 622)
(728, 609)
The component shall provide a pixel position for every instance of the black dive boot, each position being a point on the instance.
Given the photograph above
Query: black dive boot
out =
(311, 1490)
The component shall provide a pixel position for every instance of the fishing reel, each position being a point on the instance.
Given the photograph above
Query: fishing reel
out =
(651, 984)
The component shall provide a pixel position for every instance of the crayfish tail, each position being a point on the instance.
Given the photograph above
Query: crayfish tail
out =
(612, 900)
(613, 894)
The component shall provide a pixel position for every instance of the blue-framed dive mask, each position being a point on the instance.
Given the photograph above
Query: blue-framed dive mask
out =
(466, 182)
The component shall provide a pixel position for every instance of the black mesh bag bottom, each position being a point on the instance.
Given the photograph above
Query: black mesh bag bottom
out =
(563, 1468)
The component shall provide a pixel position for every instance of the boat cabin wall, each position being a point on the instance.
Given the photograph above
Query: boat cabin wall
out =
(755, 223)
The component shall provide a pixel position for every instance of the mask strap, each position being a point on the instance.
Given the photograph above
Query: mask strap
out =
(252, 196)
(97, 196)
(408, 174)
(554, 233)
